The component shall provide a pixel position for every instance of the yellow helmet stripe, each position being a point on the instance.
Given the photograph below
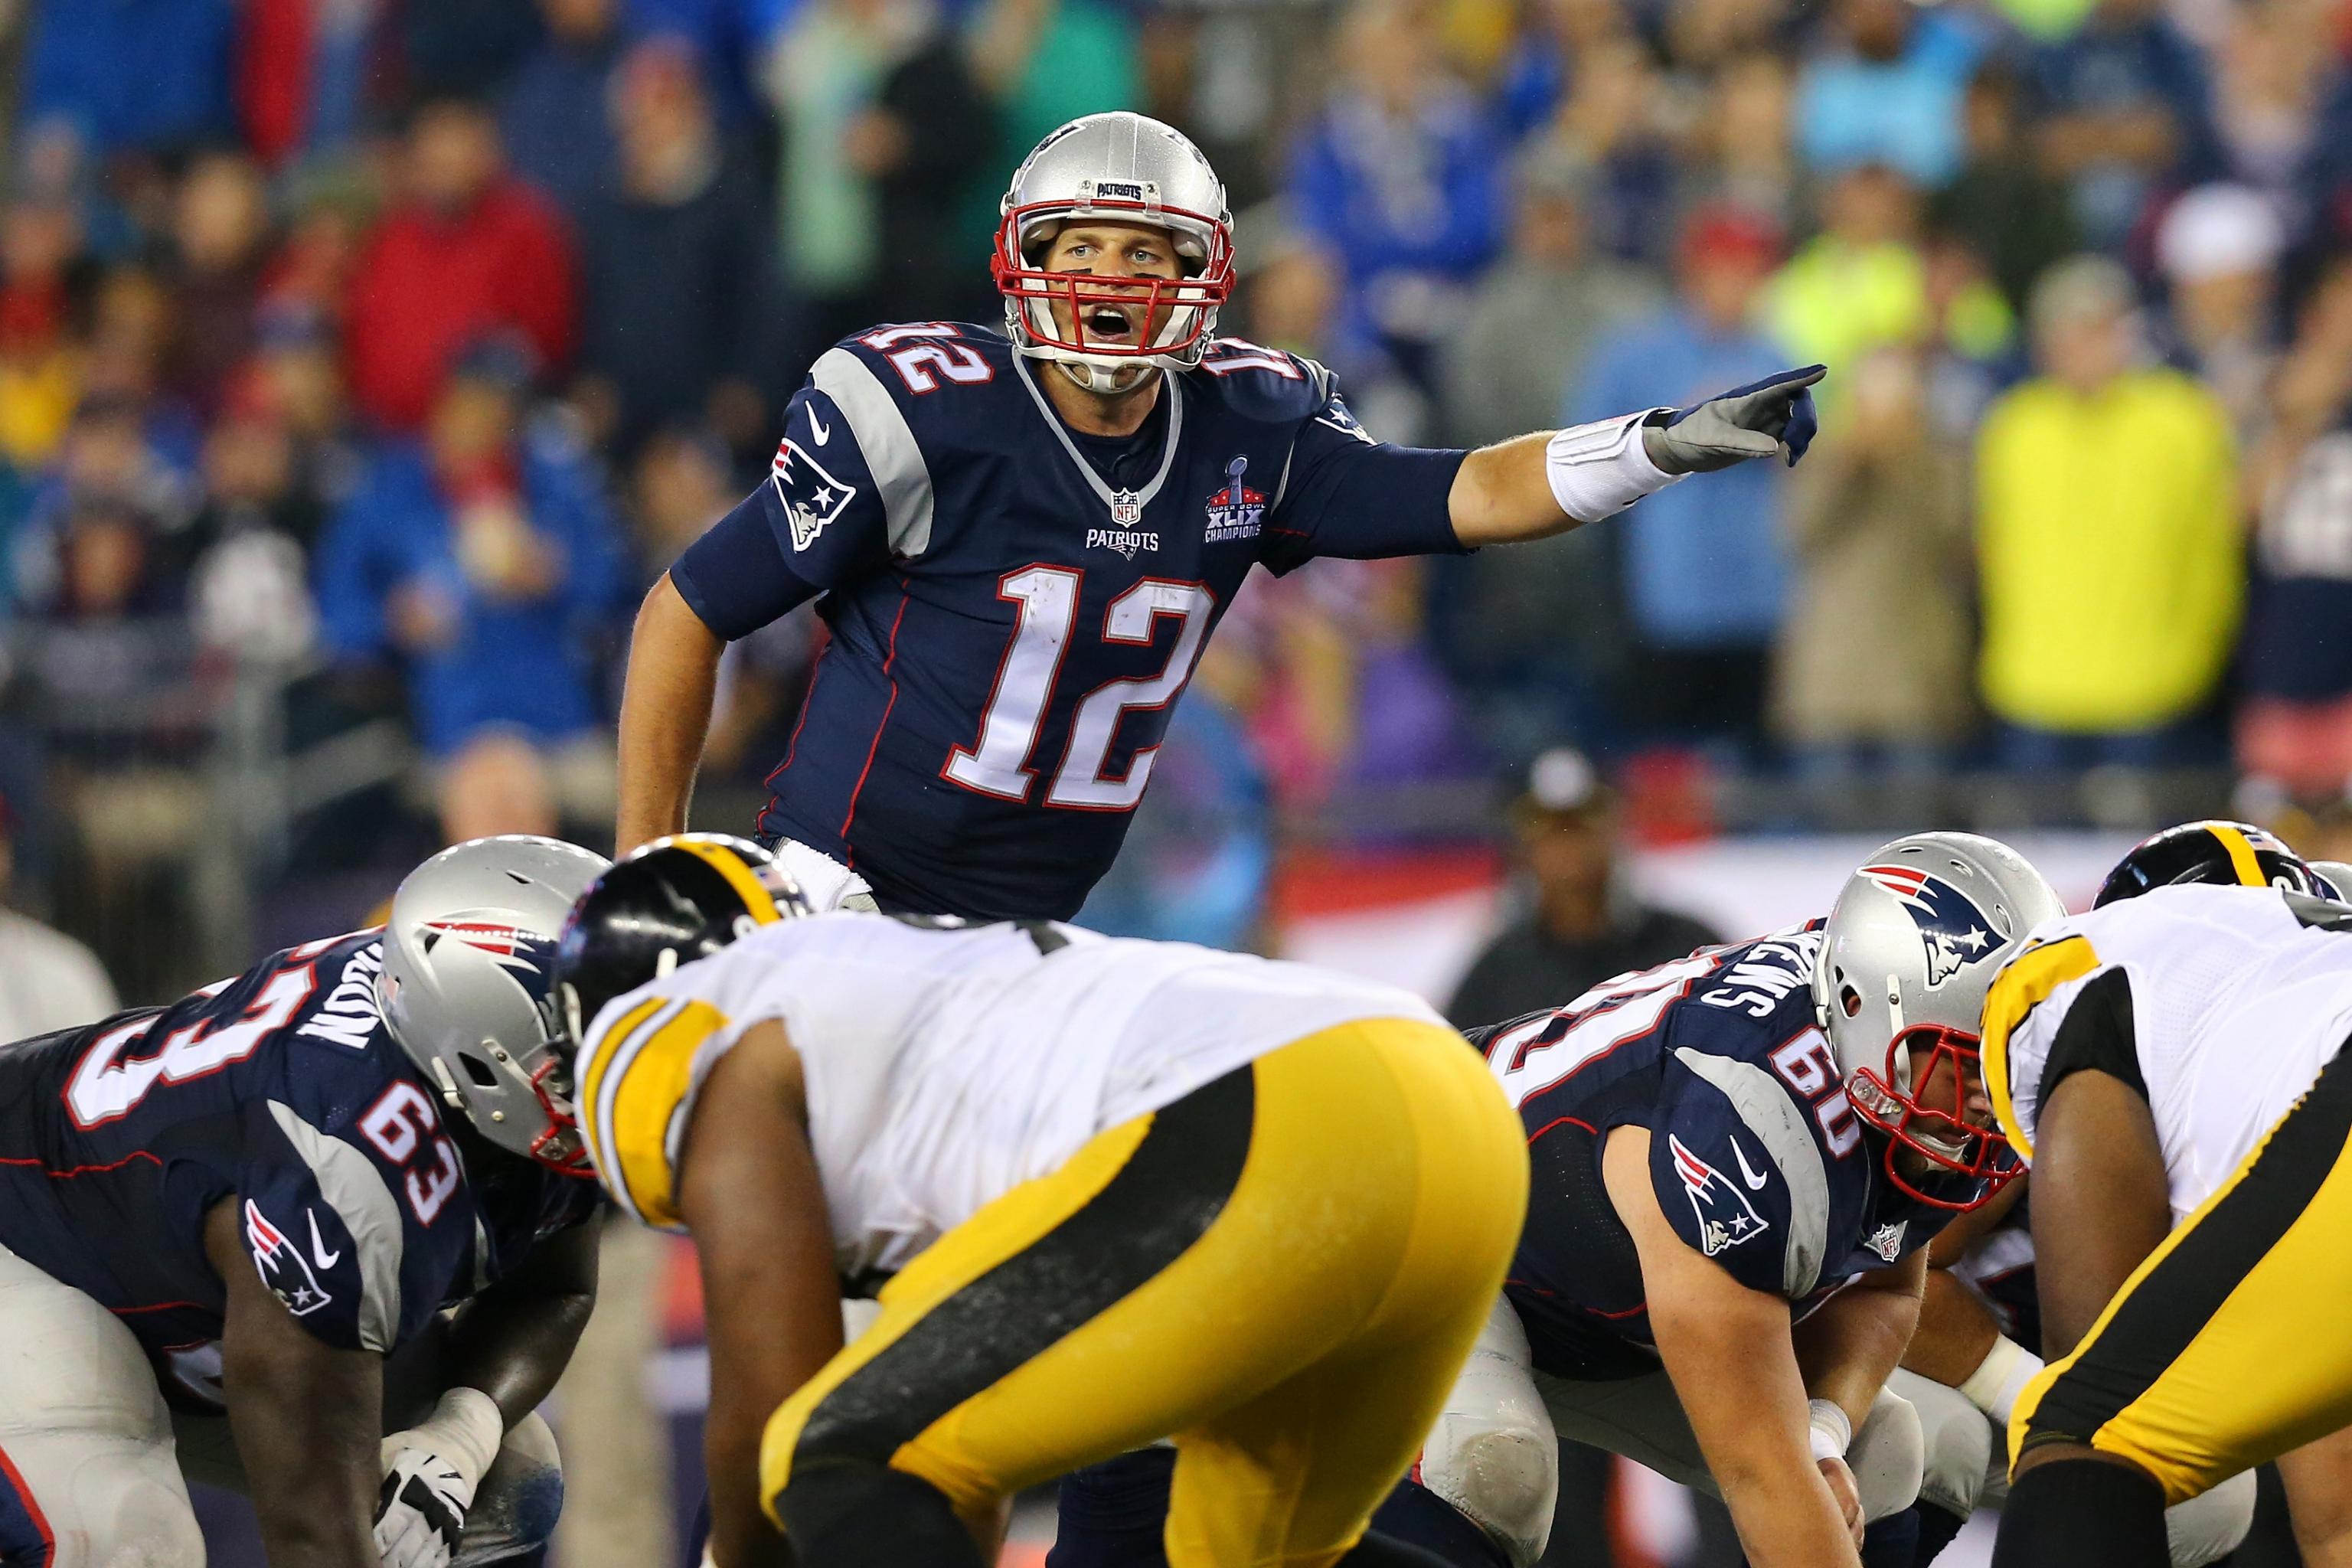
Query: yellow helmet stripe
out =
(740, 877)
(2242, 855)
(2025, 984)
(645, 1096)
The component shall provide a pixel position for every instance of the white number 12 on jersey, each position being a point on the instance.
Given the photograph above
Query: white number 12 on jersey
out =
(998, 763)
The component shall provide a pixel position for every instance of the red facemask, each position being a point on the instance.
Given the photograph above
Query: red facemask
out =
(559, 1147)
(1158, 298)
(1938, 1133)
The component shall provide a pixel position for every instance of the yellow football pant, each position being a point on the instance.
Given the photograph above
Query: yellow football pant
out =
(1284, 1269)
(2228, 1346)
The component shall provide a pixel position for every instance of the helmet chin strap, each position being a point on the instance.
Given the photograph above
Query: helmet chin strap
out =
(1103, 379)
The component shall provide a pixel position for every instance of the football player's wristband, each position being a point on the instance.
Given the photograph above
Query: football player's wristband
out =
(2000, 1377)
(1601, 469)
(1833, 1430)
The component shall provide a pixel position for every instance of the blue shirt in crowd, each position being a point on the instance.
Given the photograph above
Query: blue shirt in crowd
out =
(508, 663)
(1904, 112)
(1703, 565)
(131, 73)
(1413, 209)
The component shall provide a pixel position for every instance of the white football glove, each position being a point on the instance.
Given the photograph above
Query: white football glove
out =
(825, 882)
(430, 1473)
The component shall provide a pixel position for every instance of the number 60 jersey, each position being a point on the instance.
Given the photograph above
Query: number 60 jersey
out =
(1755, 1155)
(1016, 607)
(282, 1091)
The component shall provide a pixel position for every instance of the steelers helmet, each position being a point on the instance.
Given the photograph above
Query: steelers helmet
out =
(2220, 854)
(671, 902)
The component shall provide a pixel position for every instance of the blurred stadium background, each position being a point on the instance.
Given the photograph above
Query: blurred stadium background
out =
(362, 361)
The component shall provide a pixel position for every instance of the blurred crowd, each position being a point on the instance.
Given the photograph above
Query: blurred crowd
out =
(393, 346)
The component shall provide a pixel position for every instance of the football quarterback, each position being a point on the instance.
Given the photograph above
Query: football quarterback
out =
(1024, 533)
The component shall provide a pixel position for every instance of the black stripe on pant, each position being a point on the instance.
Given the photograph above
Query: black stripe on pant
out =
(1169, 1193)
(2172, 1304)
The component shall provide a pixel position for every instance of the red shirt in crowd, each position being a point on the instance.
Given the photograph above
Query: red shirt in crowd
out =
(429, 285)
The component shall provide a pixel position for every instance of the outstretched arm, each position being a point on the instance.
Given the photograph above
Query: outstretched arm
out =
(1553, 480)
(306, 1417)
(1729, 1352)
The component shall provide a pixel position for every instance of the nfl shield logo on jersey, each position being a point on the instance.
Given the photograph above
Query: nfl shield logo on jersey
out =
(1126, 508)
(1726, 1218)
(1887, 1239)
(1957, 933)
(812, 496)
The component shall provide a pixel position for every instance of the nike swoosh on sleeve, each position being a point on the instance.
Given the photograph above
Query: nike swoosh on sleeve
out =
(326, 1259)
(1747, 1172)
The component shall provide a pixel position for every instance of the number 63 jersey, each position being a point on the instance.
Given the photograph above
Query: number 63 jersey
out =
(1755, 1156)
(282, 1091)
(1016, 607)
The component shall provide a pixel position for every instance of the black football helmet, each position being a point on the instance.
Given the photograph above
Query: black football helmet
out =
(2224, 853)
(671, 902)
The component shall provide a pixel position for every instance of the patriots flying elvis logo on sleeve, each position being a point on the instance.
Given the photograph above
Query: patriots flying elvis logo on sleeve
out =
(812, 497)
(1957, 933)
(1726, 1218)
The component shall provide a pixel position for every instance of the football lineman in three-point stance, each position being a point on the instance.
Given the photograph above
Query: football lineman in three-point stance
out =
(236, 1222)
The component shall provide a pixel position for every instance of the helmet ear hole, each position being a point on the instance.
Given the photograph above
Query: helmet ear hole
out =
(1848, 1001)
(478, 1071)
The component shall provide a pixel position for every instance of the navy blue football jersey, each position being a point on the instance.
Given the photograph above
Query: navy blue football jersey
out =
(1756, 1154)
(1015, 606)
(283, 1091)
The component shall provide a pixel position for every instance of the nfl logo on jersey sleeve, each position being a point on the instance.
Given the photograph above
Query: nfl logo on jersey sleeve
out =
(812, 496)
(1236, 511)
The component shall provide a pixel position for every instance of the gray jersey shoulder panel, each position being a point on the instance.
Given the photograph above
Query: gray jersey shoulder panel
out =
(356, 1190)
(883, 434)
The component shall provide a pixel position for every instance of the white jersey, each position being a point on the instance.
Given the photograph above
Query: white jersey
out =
(944, 1064)
(2222, 1003)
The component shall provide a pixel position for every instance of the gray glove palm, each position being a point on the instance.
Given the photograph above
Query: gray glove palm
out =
(1758, 420)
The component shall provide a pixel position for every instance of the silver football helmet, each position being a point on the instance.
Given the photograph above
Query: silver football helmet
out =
(2334, 880)
(467, 958)
(1126, 168)
(1912, 946)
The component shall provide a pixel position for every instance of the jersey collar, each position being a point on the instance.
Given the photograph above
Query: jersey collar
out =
(1115, 501)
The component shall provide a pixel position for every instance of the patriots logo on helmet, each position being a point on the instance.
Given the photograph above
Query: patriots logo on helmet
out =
(1957, 933)
(512, 946)
(1726, 1218)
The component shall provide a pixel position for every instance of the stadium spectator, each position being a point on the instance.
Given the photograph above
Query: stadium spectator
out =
(1581, 925)
(468, 251)
(47, 980)
(1046, 62)
(678, 313)
(1888, 90)
(302, 78)
(463, 47)
(2001, 203)
(1613, 120)
(2129, 105)
(2295, 730)
(556, 112)
(220, 235)
(1535, 71)
(130, 75)
(40, 379)
(1703, 575)
(478, 557)
(1534, 316)
(2218, 249)
(1872, 671)
(1743, 157)
(250, 590)
(2108, 538)
(878, 116)
(1861, 282)
(1402, 180)
(2270, 58)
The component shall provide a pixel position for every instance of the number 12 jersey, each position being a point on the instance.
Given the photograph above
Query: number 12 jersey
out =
(1015, 606)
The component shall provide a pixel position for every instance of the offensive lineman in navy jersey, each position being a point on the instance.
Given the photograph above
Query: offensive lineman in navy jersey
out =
(1023, 538)
(1739, 1159)
(237, 1220)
